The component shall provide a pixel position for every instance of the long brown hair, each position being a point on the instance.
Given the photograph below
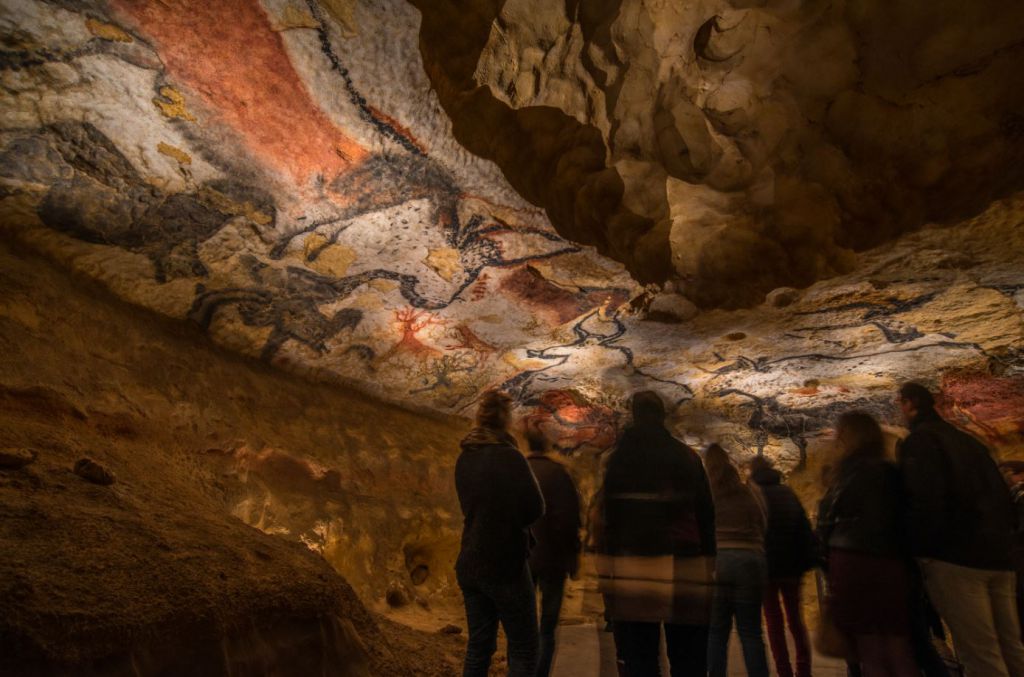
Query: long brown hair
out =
(493, 411)
(722, 474)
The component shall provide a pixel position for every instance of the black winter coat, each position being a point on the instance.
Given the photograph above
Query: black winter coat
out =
(656, 497)
(960, 509)
(863, 508)
(789, 538)
(500, 499)
(556, 552)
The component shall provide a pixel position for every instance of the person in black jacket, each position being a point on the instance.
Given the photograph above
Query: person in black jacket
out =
(556, 553)
(789, 547)
(500, 499)
(657, 546)
(961, 520)
(860, 523)
(1013, 471)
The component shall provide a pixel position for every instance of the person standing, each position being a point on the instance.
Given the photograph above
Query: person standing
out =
(790, 551)
(962, 521)
(860, 525)
(741, 571)
(555, 555)
(1013, 471)
(500, 499)
(657, 546)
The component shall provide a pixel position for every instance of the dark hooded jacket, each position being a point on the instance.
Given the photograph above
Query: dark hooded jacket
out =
(789, 538)
(959, 507)
(500, 499)
(556, 552)
(656, 496)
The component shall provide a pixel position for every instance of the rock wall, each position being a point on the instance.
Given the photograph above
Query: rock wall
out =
(757, 144)
(202, 442)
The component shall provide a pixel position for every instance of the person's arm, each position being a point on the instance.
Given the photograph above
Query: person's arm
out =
(527, 500)
(759, 518)
(571, 501)
(705, 508)
(923, 469)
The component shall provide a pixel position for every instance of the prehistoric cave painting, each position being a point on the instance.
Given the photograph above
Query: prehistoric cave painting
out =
(411, 322)
(96, 195)
(572, 422)
(990, 405)
(588, 330)
(527, 285)
(229, 55)
(769, 418)
(464, 338)
(290, 307)
(382, 182)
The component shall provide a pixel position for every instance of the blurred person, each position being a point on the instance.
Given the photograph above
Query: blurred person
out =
(500, 499)
(556, 553)
(1013, 472)
(962, 522)
(657, 547)
(860, 525)
(790, 551)
(741, 569)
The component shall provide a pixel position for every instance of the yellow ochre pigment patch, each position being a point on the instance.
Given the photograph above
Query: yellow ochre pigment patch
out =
(172, 152)
(173, 104)
(107, 31)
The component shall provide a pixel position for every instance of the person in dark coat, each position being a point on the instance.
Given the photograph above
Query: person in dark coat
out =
(657, 546)
(555, 555)
(500, 499)
(1013, 471)
(790, 549)
(860, 523)
(962, 521)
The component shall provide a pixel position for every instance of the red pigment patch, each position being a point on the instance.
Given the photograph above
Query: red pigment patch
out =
(573, 423)
(533, 289)
(410, 323)
(992, 405)
(226, 51)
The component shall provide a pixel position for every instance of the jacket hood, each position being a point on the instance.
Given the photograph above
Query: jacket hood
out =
(766, 476)
(482, 437)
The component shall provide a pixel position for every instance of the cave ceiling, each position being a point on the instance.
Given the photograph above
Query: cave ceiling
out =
(765, 211)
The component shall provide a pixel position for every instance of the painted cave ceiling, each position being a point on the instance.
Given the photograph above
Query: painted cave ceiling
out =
(423, 199)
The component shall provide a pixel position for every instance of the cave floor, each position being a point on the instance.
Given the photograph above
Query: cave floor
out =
(583, 648)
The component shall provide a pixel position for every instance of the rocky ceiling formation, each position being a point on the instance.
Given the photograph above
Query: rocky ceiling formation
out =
(421, 199)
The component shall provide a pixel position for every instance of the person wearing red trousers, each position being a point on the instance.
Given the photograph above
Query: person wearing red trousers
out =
(789, 547)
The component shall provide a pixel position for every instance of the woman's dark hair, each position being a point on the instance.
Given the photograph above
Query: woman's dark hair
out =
(493, 411)
(723, 476)
(918, 395)
(860, 435)
(648, 408)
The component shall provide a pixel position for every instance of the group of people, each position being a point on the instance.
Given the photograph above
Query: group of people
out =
(687, 545)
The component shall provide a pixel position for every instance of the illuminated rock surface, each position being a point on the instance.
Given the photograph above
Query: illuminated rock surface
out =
(416, 201)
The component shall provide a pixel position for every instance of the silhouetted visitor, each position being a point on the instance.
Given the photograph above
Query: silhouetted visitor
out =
(1013, 471)
(741, 570)
(556, 553)
(860, 524)
(500, 499)
(962, 521)
(790, 550)
(657, 546)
